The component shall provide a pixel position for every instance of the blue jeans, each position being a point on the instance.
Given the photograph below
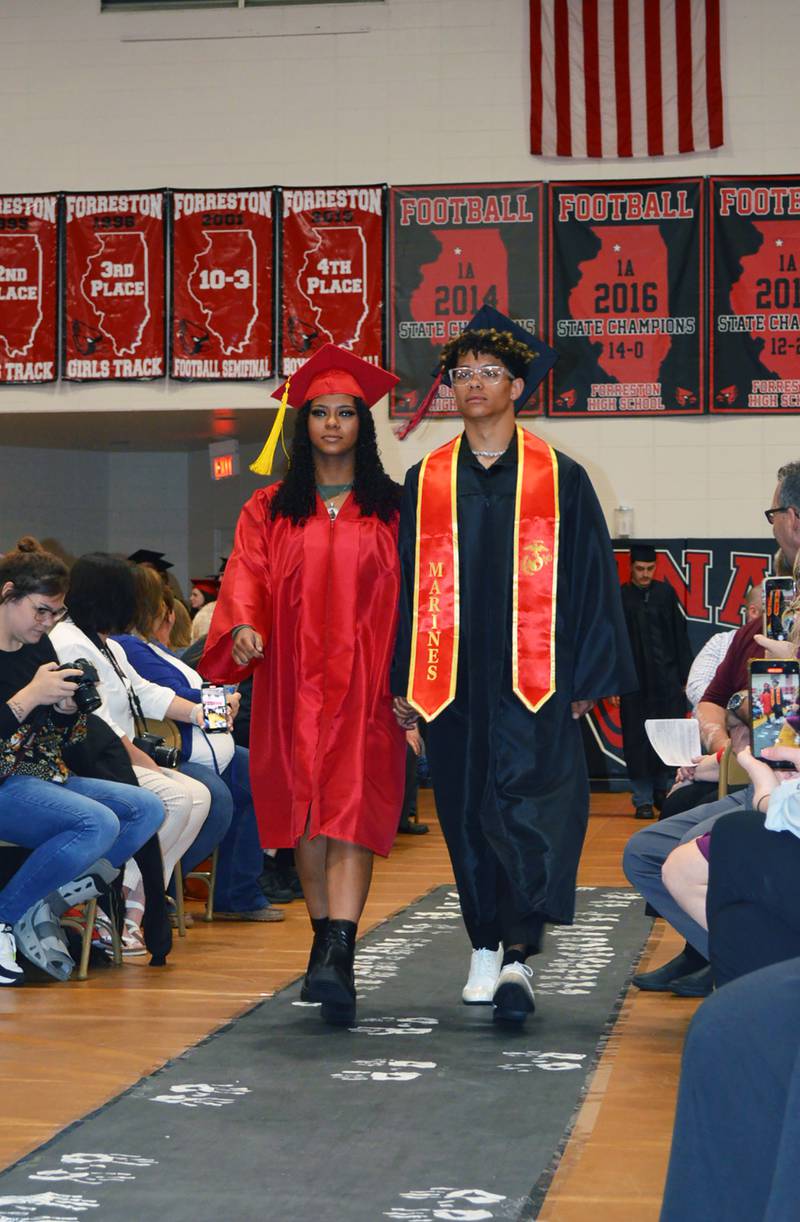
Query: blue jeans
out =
(68, 827)
(647, 850)
(240, 855)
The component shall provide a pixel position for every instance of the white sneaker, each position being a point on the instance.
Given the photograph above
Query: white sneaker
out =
(10, 971)
(483, 969)
(513, 995)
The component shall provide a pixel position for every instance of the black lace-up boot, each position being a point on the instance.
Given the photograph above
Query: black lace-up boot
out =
(332, 981)
(320, 927)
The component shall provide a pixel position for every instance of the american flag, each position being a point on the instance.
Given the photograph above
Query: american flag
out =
(625, 78)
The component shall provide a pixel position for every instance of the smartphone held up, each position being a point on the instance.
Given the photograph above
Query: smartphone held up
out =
(775, 706)
(215, 708)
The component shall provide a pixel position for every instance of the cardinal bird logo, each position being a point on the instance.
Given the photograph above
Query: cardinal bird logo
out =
(684, 397)
(192, 336)
(726, 395)
(86, 339)
(567, 398)
(302, 334)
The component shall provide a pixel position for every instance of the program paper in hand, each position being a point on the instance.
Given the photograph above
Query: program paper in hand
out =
(675, 740)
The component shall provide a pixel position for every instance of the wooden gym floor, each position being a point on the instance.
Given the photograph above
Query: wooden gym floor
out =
(67, 1049)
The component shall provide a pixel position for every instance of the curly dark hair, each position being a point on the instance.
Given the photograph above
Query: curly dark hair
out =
(515, 355)
(375, 493)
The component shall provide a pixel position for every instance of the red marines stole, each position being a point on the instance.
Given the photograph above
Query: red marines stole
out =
(435, 629)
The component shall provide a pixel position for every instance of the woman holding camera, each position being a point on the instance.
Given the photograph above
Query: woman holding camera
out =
(68, 822)
(101, 600)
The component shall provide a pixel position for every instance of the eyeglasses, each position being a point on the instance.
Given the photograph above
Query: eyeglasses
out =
(769, 514)
(42, 614)
(487, 373)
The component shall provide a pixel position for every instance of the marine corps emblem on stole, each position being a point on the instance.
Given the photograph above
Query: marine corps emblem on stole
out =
(535, 556)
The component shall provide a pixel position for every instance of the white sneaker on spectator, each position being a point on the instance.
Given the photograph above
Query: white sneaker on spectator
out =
(484, 967)
(10, 971)
(513, 997)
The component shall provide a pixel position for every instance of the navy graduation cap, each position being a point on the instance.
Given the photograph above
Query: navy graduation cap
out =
(542, 358)
(486, 321)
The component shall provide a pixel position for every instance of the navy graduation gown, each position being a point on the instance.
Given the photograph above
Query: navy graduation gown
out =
(511, 786)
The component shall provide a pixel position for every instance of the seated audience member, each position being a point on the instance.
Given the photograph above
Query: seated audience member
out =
(101, 601)
(175, 631)
(688, 973)
(705, 665)
(202, 621)
(737, 1124)
(753, 870)
(764, 873)
(690, 791)
(80, 830)
(213, 759)
(204, 591)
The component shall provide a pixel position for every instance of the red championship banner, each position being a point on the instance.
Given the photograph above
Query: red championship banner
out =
(222, 263)
(28, 288)
(755, 295)
(331, 272)
(627, 300)
(453, 249)
(113, 301)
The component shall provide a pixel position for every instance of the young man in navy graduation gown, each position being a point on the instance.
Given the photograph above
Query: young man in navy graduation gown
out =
(511, 627)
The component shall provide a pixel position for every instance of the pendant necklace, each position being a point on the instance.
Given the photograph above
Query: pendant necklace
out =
(328, 492)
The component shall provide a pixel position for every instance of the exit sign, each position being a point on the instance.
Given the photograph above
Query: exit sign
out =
(224, 459)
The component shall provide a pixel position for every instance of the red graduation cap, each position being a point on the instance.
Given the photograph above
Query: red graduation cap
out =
(207, 585)
(335, 371)
(330, 371)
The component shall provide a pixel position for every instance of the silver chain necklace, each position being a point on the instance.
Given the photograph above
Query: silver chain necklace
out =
(488, 453)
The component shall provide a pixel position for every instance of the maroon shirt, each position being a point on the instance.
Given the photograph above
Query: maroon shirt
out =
(731, 674)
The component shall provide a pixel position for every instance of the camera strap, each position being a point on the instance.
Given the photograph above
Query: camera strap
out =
(139, 720)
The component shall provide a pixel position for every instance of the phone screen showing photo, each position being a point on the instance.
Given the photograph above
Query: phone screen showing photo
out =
(775, 705)
(779, 595)
(215, 708)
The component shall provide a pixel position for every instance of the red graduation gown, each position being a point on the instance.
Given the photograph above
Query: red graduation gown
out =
(324, 744)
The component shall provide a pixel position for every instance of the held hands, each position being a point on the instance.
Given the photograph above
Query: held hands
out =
(414, 740)
(247, 645)
(405, 714)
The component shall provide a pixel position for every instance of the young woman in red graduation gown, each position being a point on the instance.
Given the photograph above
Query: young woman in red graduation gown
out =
(308, 606)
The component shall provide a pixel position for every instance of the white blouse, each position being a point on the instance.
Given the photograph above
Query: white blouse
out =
(70, 643)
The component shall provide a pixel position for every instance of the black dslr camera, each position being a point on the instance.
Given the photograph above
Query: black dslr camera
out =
(86, 695)
(154, 746)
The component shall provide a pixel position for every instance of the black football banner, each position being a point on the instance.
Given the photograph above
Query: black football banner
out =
(113, 295)
(28, 288)
(222, 285)
(711, 578)
(453, 249)
(755, 295)
(331, 286)
(627, 310)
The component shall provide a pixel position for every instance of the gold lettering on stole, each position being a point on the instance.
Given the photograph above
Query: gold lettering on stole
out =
(435, 570)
